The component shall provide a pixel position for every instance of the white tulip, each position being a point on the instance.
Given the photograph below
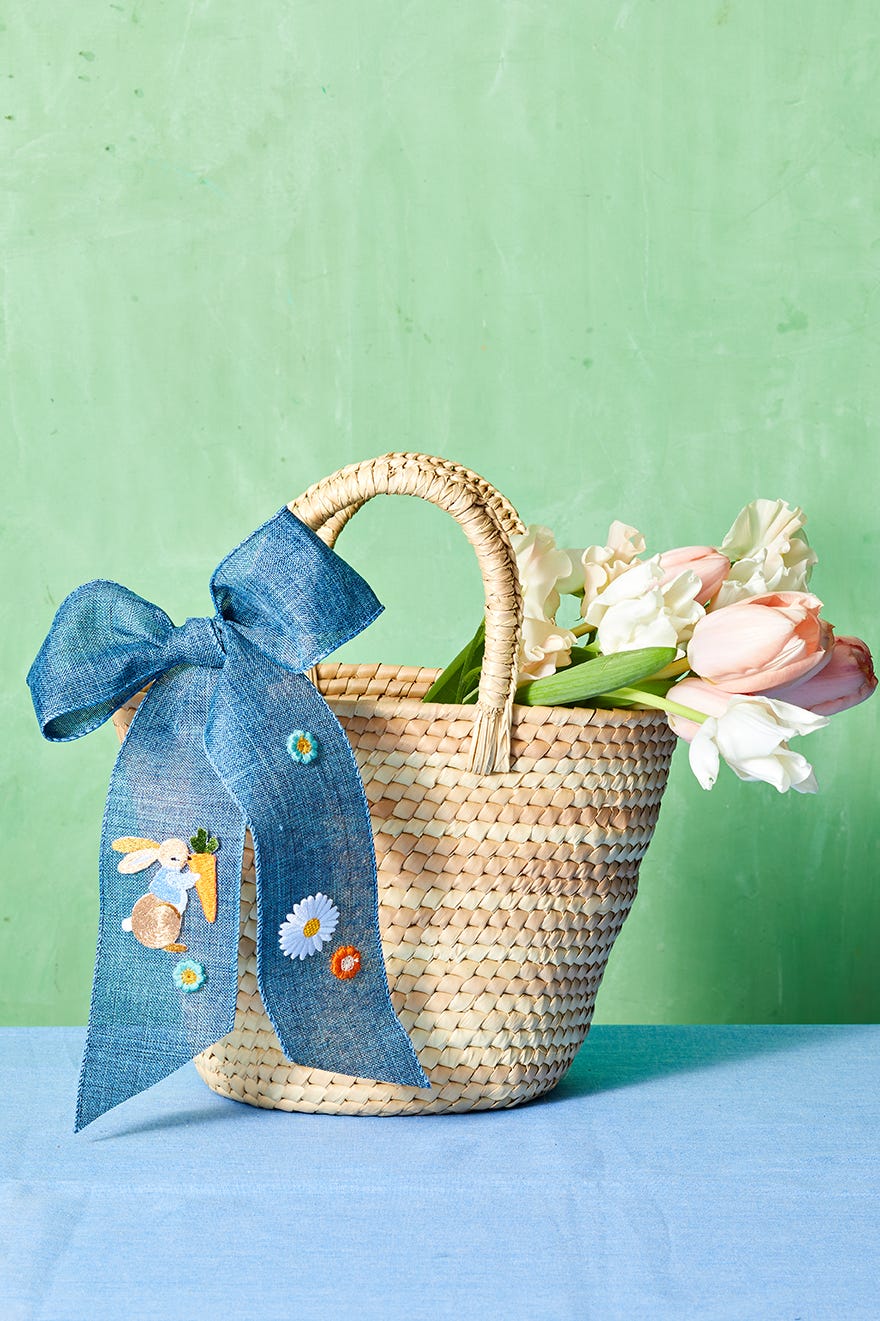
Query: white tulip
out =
(766, 571)
(751, 736)
(541, 565)
(597, 566)
(545, 648)
(771, 552)
(637, 610)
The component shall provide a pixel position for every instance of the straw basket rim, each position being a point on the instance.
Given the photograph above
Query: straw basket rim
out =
(420, 676)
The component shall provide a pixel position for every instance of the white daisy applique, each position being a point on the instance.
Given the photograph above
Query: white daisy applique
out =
(308, 927)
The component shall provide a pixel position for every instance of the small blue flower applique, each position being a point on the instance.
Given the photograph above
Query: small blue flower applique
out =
(188, 976)
(302, 746)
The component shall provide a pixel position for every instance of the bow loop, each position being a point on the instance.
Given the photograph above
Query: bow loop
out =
(290, 595)
(282, 589)
(105, 644)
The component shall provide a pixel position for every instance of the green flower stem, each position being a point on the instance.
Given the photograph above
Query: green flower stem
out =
(637, 697)
(581, 630)
(673, 670)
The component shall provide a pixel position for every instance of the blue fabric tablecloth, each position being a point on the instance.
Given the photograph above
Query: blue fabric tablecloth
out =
(705, 1172)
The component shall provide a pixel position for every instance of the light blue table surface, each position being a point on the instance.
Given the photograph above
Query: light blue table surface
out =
(677, 1172)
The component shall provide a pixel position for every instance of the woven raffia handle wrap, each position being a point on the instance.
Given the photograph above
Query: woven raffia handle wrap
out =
(500, 508)
(488, 522)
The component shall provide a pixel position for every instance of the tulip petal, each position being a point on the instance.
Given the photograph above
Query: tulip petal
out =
(761, 524)
(792, 719)
(710, 566)
(703, 754)
(846, 680)
(784, 770)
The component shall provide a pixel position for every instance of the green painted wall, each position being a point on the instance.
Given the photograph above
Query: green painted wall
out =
(622, 258)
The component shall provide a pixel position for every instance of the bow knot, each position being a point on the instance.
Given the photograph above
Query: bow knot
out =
(198, 641)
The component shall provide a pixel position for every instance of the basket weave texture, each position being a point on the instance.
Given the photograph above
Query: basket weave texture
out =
(500, 894)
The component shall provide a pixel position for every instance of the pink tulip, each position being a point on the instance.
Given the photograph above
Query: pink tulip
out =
(762, 642)
(699, 696)
(846, 680)
(710, 566)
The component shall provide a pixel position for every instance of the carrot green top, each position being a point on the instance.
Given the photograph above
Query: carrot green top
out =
(202, 842)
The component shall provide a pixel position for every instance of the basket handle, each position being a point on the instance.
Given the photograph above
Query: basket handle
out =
(500, 508)
(488, 521)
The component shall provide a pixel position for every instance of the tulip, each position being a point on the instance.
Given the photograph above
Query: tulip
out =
(710, 566)
(545, 648)
(846, 680)
(541, 566)
(769, 550)
(636, 610)
(749, 733)
(763, 642)
(597, 566)
(772, 526)
(762, 573)
(752, 735)
(699, 696)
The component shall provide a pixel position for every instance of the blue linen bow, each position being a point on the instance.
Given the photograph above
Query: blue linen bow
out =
(208, 749)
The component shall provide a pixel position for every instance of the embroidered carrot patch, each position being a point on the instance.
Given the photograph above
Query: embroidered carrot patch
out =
(204, 864)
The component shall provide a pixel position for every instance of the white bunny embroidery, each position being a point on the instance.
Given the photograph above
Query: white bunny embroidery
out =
(171, 882)
(157, 916)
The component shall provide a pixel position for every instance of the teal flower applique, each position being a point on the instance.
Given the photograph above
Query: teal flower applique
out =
(188, 976)
(302, 746)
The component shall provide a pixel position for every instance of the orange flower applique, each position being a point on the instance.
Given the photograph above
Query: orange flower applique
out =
(346, 962)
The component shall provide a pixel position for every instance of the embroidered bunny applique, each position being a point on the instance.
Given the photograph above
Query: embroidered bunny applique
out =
(157, 917)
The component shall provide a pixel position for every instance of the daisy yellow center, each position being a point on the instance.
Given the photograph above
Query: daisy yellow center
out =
(188, 976)
(304, 746)
(312, 927)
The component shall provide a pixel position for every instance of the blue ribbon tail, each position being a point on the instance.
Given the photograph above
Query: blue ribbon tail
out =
(141, 1025)
(312, 834)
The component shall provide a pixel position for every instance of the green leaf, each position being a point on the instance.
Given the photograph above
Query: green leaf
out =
(472, 664)
(449, 685)
(594, 677)
(469, 686)
(202, 843)
(581, 654)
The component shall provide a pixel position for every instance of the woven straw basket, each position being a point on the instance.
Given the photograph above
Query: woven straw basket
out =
(508, 842)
